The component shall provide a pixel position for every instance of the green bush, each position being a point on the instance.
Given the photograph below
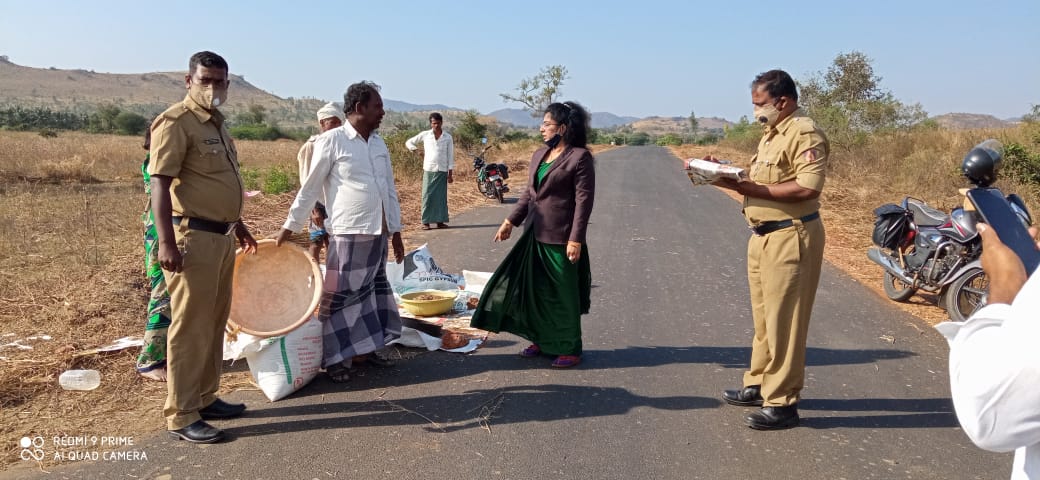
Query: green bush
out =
(638, 138)
(709, 138)
(469, 131)
(255, 132)
(669, 139)
(279, 179)
(406, 163)
(1022, 164)
(251, 178)
(743, 135)
(518, 135)
(130, 123)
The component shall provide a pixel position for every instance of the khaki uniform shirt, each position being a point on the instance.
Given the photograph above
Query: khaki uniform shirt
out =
(794, 149)
(191, 145)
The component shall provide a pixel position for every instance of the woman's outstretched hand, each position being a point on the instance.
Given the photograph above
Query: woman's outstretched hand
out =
(504, 231)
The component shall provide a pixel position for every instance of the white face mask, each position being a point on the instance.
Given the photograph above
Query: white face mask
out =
(767, 115)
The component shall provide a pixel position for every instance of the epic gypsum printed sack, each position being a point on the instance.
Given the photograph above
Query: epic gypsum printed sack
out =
(418, 271)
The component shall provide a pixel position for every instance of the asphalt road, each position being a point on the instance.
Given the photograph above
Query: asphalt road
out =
(669, 329)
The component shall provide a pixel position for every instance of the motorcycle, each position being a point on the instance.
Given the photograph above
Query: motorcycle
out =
(491, 177)
(922, 248)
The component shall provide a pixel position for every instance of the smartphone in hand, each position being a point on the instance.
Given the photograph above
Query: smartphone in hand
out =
(997, 213)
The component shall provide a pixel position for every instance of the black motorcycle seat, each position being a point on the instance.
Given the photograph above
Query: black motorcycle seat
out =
(925, 216)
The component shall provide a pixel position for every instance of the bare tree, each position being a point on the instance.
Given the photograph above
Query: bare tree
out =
(539, 91)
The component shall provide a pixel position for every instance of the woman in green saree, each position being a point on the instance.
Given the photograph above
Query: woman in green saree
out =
(542, 287)
(151, 362)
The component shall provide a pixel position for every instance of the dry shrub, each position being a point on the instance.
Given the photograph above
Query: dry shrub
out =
(74, 169)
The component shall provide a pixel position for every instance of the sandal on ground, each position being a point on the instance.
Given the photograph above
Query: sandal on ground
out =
(566, 361)
(442, 225)
(157, 374)
(531, 351)
(374, 360)
(338, 373)
(426, 226)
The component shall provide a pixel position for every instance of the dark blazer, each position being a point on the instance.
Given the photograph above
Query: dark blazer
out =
(559, 210)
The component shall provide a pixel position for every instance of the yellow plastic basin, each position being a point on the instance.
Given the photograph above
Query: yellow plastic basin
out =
(428, 308)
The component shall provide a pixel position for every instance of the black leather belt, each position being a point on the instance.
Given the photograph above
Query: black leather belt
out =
(765, 228)
(204, 225)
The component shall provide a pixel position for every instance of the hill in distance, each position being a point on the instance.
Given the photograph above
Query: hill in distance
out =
(970, 121)
(149, 94)
(523, 118)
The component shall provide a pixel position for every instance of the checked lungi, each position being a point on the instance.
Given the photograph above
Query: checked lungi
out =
(358, 311)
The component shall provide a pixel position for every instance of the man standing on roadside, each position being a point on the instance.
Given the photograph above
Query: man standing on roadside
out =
(438, 163)
(785, 254)
(329, 116)
(352, 165)
(197, 197)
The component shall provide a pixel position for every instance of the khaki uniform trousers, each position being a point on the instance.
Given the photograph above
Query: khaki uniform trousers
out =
(200, 298)
(783, 273)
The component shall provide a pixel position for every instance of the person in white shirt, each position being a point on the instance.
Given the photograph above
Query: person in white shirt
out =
(994, 363)
(438, 163)
(329, 116)
(351, 164)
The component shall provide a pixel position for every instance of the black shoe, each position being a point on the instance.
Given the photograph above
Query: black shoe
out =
(198, 432)
(220, 409)
(773, 418)
(750, 396)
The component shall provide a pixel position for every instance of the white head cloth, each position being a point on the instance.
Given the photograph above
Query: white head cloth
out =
(331, 109)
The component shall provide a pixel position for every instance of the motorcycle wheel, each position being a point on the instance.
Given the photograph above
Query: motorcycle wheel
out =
(498, 194)
(896, 290)
(966, 295)
(480, 186)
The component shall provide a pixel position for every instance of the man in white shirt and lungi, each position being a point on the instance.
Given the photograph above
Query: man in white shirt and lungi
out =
(438, 163)
(351, 164)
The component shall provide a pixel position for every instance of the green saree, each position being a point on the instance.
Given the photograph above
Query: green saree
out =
(538, 294)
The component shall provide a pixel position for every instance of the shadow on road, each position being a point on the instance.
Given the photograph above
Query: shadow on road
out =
(919, 413)
(731, 357)
(440, 366)
(471, 409)
(544, 403)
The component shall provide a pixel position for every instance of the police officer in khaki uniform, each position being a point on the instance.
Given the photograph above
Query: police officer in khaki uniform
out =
(785, 253)
(197, 196)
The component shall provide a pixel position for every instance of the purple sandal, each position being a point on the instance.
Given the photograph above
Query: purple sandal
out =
(566, 361)
(531, 351)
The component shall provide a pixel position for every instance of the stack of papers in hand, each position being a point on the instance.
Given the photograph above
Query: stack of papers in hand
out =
(702, 172)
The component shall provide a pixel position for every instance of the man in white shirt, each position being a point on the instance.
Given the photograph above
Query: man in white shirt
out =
(351, 164)
(994, 362)
(438, 163)
(329, 116)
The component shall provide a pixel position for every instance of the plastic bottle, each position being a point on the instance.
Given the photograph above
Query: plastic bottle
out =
(80, 379)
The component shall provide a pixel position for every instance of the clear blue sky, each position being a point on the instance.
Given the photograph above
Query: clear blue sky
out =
(636, 58)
